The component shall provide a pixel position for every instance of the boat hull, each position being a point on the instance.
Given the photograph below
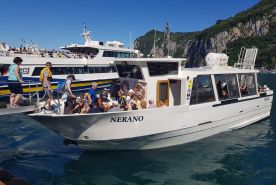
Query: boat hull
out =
(157, 128)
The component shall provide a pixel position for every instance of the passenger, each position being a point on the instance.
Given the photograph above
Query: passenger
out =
(138, 102)
(104, 104)
(219, 89)
(70, 97)
(79, 104)
(14, 82)
(115, 107)
(265, 88)
(92, 92)
(87, 103)
(133, 105)
(96, 108)
(244, 90)
(143, 104)
(224, 89)
(68, 84)
(151, 104)
(162, 104)
(45, 78)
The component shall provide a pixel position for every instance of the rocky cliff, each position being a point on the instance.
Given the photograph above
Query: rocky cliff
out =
(253, 27)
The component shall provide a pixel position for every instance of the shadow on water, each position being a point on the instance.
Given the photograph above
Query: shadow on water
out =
(244, 156)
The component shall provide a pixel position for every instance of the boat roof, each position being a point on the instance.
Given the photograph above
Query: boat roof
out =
(100, 47)
(150, 60)
(209, 70)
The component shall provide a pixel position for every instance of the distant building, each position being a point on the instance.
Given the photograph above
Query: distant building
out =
(4, 46)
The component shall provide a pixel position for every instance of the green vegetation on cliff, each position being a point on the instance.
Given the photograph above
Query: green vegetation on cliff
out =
(253, 27)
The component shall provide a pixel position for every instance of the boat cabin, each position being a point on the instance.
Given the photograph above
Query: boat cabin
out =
(167, 82)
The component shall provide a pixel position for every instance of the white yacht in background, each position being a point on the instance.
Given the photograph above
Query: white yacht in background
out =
(90, 62)
(192, 103)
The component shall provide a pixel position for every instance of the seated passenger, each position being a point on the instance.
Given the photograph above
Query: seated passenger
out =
(133, 105)
(244, 90)
(115, 107)
(162, 104)
(219, 89)
(96, 108)
(79, 104)
(87, 103)
(224, 89)
(265, 88)
(151, 104)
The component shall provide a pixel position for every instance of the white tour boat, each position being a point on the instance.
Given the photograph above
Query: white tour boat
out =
(192, 103)
(91, 60)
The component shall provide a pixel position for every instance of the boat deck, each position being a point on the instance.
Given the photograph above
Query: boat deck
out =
(22, 109)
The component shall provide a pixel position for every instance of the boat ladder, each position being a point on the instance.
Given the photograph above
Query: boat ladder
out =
(247, 58)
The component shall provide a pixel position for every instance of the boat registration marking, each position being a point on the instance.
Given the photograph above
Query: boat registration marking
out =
(127, 119)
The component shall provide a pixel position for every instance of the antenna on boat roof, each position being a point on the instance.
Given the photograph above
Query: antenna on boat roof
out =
(130, 44)
(86, 35)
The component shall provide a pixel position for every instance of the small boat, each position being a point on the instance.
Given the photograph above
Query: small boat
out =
(191, 104)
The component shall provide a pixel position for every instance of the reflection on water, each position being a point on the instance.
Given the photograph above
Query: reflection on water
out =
(245, 156)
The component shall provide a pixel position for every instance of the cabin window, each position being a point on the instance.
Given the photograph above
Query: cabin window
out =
(76, 70)
(116, 54)
(227, 86)
(129, 71)
(202, 91)
(247, 84)
(162, 68)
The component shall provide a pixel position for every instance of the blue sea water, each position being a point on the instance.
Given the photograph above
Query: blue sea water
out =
(242, 157)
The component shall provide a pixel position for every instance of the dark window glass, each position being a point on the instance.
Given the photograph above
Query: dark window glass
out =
(37, 71)
(163, 91)
(227, 86)
(76, 70)
(116, 54)
(247, 84)
(202, 90)
(80, 70)
(129, 71)
(162, 68)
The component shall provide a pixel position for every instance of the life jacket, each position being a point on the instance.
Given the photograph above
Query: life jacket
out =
(41, 76)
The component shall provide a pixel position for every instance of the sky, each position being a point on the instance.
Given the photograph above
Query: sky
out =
(54, 23)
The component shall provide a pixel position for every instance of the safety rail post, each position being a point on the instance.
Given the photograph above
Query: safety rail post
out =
(37, 98)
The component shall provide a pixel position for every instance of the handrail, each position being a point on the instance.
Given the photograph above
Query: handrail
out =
(36, 83)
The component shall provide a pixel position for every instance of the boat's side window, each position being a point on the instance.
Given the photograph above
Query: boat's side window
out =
(227, 86)
(247, 84)
(76, 70)
(202, 91)
(162, 68)
(129, 71)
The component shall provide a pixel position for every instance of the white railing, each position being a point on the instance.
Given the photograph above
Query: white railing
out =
(247, 58)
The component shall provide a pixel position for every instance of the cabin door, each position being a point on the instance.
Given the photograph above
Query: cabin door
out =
(162, 93)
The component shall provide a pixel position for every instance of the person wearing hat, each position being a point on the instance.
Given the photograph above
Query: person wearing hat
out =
(14, 82)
